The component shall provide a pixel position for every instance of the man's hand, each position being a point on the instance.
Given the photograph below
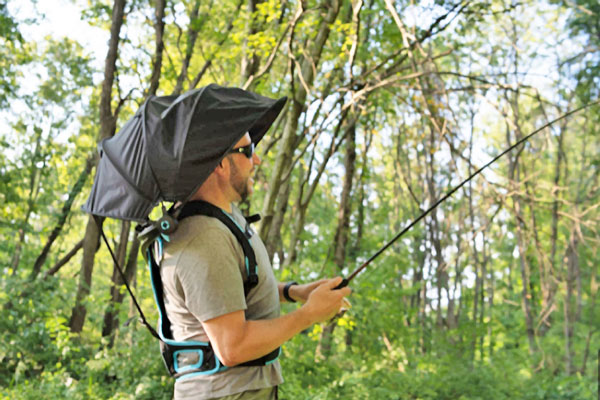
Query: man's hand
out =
(323, 303)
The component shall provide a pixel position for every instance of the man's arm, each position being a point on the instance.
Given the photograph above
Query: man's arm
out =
(237, 340)
(299, 292)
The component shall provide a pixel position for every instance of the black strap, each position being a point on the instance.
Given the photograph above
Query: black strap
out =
(286, 291)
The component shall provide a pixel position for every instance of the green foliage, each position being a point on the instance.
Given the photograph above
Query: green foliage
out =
(423, 325)
(583, 20)
(38, 164)
(41, 356)
(13, 54)
(367, 372)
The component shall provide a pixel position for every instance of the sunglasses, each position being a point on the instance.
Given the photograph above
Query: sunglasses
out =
(248, 150)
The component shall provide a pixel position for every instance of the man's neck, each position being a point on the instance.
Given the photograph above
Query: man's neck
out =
(216, 201)
(215, 192)
(224, 205)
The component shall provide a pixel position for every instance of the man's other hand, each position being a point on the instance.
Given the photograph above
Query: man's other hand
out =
(323, 302)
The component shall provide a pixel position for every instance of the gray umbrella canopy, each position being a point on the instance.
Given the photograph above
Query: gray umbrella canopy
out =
(171, 145)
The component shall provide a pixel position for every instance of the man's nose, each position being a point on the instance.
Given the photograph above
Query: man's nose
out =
(256, 159)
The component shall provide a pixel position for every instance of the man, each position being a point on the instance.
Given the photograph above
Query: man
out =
(203, 278)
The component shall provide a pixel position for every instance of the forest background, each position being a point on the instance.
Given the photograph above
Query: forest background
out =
(391, 104)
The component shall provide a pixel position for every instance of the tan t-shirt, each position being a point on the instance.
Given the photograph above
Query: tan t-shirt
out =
(203, 272)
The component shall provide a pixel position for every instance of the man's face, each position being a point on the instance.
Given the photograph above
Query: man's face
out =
(242, 168)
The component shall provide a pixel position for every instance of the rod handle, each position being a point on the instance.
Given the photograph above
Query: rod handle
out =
(342, 284)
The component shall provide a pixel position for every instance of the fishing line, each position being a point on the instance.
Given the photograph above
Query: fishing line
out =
(358, 270)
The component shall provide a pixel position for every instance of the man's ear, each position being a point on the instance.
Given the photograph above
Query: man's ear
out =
(223, 166)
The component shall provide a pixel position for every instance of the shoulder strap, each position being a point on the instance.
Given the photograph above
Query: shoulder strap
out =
(200, 207)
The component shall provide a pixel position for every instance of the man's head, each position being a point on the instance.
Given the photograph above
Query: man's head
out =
(231, 181)
(242, 160)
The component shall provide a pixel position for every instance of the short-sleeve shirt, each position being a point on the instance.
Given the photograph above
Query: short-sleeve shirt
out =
(203, 273)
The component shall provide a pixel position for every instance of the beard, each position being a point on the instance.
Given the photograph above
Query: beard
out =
(239, 183)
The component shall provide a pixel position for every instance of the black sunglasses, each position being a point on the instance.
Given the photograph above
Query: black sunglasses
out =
(248, 150)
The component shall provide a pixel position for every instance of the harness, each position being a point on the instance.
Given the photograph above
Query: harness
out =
(208, 363)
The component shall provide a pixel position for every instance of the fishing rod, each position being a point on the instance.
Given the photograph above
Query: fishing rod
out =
(346, 281)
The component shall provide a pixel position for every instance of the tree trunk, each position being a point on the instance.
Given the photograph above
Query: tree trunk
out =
(307, 188)
(110, 314)
(298, 216)
(192, 35)
(592, 306)
(572, 267)
(360, 219)
(16, 257)
(91, 242)
(525, 272)
(435, 233)
(107, 129)
(274, 235)
(66, 209)
(159, 28)
(286, 146)
(341, 234)
(491, 335)
(131, 275)
(525, 276)
(34, 187)
(119, 294)
(273, 242)
(250, 61)
(482, 301)
(515, 182)
(555, 217)
(476, 256)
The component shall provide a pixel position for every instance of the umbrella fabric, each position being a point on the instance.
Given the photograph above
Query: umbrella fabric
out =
(171, 145)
